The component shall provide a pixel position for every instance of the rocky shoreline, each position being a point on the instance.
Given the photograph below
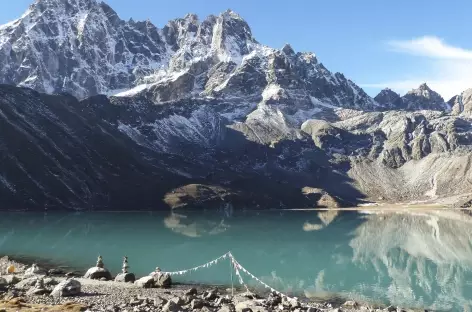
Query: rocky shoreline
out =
(29, 289)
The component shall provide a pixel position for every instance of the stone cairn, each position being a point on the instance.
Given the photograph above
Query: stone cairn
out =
(125, 276)
(98, 271)
(38, 289)
(100, 262)
(125, 265)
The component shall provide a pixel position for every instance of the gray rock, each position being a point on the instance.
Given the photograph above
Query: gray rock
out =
(162, 280)
(171, 306)
(248, 306)
(227, 308)
(67, 288)
(222, 300)
(136, 301)
(37, 291)
(273, 300)
(363, 148)
(26, 283)
(159, 302)
(351, 304)
(72, 274)
(12, 279)
(197, 304)
(34, 270)
(50, 282)
(145, 282)
(186, 299)
(210, 295)
(56, 272)
(125, 278)
(177, 301)
(12, 293)
(98, 273)
(192, 292)
(291, 302)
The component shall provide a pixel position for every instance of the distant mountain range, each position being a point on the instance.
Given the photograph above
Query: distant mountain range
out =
(199, 113)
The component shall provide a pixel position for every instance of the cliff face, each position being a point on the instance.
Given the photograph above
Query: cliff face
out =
(200, 112)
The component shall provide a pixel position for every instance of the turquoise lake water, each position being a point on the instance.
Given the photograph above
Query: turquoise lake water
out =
(421, 259)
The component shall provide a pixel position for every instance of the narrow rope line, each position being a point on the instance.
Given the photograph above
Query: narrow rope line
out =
(205, 265)
(238, 274)
(239, 266)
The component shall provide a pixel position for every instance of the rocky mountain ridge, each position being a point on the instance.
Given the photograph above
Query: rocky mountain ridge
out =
(200, 113)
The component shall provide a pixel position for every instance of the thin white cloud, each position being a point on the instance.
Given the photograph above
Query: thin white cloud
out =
(430, 46)
(449, 67)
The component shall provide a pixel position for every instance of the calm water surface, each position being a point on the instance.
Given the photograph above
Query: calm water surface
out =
(421, 259)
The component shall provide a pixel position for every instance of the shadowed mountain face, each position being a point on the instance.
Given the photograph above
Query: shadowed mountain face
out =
(61, 153)
(199, 113)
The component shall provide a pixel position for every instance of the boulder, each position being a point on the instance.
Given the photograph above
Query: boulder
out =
(125, 278)
(73, 274)
(37, 291)
(145, 282)
(274, 300)
(187, 299)
(249, 306)
(56, 272)
(197, 304)
(34, 270)
(210, 295)
(222, 300)
(3, 283)
(12, 279)
(350, 304)
(136, 301)
(244, 306)
(177, 301)
(192, 292)
(159, 302)
(12, 293)
(170, 306)
(227, 308)
(162, 280)
(98, 273)
(290, 302)
(50, 282)
(67, 288)
(26, 284)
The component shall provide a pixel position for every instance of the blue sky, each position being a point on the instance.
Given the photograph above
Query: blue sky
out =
(376, 43)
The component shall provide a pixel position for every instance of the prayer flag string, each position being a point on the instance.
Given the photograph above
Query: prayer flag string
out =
(237, 268)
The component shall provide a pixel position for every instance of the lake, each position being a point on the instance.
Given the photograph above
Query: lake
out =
(410, 259)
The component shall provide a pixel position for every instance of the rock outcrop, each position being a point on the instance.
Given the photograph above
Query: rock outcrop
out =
(67, 288)
(199, 113)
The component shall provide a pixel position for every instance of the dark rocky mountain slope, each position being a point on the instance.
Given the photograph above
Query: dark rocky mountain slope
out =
(199, 113)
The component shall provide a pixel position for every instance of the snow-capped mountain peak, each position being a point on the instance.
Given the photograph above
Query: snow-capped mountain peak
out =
(82, 47)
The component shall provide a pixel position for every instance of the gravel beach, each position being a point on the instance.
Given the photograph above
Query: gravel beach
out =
(23, 291)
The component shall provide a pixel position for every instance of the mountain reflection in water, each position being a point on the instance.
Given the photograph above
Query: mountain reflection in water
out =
(426, 257)
(421, 259)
